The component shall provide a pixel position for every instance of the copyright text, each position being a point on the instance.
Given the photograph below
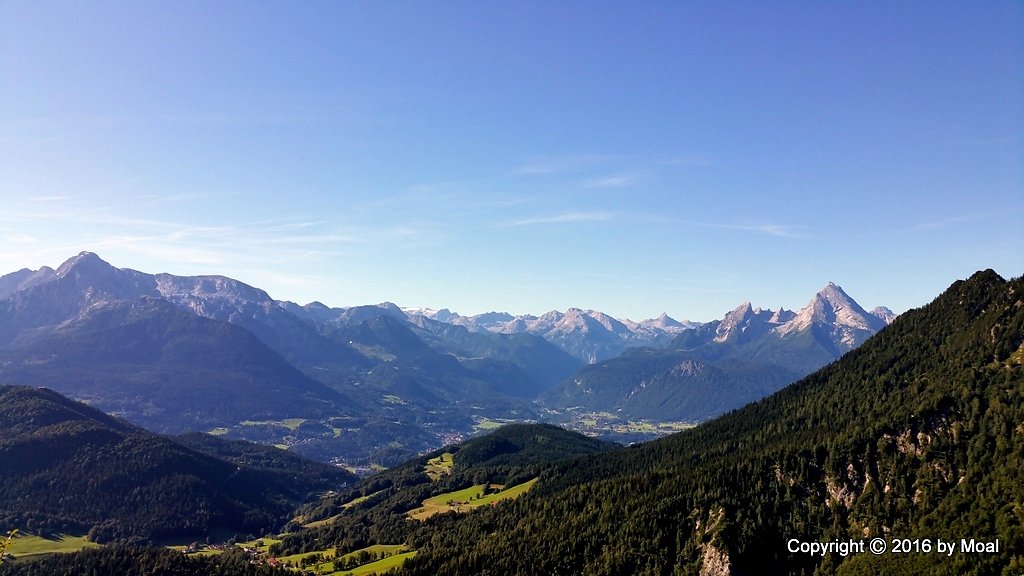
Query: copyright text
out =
(879, 546)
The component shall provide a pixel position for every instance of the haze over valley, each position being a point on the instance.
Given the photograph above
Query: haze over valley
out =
(376, 384)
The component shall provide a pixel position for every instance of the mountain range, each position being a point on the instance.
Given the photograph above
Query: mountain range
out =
(912, 437)
(588, 335)
(378, 382)
(715, 367)
(916, 435)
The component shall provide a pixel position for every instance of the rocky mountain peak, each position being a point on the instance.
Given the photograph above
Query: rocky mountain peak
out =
(83, 263)
(833, 309)
(885, 314)
(24, 279)
(736, 322)
(667, 323)
(781, 316)
(835, 295)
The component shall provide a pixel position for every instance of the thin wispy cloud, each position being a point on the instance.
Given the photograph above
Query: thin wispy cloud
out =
(273, 226)
(48, 198)
(767, 229)
(777, 230)
(75, 215)
(686, 161)
(163, 251)
(192, 247)
(946, 223)
(565, 218)
(446, 198)
(561, 164)
(316, 239)
(612, 181)
(152, 200)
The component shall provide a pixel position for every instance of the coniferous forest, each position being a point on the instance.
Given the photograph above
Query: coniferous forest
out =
(917, 434)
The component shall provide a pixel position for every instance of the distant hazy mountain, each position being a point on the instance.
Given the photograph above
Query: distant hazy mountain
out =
(588, 335)
(22, 279)
(193, 353)
(155, 364)
(830, 325)
(647, 383)
(85, 280)
(724, 364)
(521, 364)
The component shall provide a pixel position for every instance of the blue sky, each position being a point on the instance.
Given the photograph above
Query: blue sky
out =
(635, 158)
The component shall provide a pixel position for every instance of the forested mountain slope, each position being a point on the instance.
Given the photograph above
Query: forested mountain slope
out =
(916, 434)
(66, 467)
(374, 511)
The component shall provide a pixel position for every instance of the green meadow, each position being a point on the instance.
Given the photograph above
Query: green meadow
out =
(468, 499)
(438, 467)
(392, 556)
(261, 545)
(30, 545)
(360, 500)
(378, 567)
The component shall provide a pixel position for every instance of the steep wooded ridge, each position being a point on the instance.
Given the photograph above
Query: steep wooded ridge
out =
(915, 434)
(66, 467)
(375, 510)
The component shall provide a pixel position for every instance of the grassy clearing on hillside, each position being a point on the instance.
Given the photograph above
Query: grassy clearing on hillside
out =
(329, 558)
(506, 494)
(206, 552)
(289, 423)
(319, 523)
(30, 545)
(292, 423)
(360, 500)
(377, 352)
(606, 423)
(438, 467)
(378, 567)
(481, 423)
(261, 545)
(468, 499)
(296, 559)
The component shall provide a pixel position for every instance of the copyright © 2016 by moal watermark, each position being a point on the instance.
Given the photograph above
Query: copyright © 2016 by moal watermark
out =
(880, 546)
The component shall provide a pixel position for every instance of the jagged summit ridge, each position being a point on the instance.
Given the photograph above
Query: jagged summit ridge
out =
(590, 335)
(848, 323)
(82, 261)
